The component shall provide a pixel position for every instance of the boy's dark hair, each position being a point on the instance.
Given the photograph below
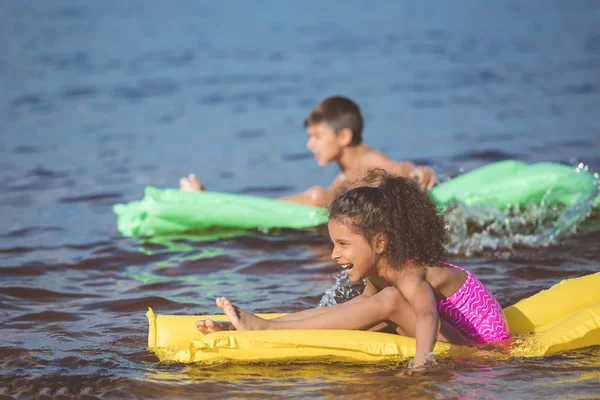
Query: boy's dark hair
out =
(398, 208)
(338, 112)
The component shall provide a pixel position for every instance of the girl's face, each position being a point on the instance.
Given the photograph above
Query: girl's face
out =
(352, 251)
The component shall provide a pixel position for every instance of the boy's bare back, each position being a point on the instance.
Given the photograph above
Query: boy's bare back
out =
(364, 158)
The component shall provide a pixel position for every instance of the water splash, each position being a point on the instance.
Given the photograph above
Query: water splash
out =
(475, 229)
(428, 360)
(341, 289)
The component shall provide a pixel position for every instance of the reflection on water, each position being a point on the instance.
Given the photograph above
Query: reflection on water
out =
(100, 100)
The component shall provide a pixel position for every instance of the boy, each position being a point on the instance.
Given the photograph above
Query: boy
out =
(334, 129)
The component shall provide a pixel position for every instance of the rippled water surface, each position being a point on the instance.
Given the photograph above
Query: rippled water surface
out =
(100, 99)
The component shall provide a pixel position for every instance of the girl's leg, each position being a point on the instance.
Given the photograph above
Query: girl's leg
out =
(208, 326)
(311, 312)
(387, 305)
(369, 313)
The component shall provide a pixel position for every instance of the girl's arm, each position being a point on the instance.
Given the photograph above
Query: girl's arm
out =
(420, 295)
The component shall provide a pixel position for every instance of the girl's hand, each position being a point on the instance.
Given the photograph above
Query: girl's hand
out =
(419, 365)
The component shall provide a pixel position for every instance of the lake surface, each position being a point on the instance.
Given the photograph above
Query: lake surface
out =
(101, 99)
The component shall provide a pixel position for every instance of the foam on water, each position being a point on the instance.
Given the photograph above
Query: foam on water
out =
(474, 229)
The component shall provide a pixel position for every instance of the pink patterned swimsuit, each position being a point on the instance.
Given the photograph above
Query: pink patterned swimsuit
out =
(474, 312)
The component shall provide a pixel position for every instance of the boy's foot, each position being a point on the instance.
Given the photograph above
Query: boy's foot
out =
(207, 326)
(241, 320)
(190, 184)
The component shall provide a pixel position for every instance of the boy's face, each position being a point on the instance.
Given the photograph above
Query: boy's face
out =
(325, 145)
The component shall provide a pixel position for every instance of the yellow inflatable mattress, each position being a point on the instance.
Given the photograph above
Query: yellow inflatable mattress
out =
(562, 318)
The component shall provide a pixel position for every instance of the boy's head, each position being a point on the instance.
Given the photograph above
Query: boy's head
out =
(339, 113)
(333, 124)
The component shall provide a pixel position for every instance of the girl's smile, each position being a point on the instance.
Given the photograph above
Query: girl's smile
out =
(351, 251)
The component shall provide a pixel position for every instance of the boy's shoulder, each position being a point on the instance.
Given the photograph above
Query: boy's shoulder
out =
(371, 158)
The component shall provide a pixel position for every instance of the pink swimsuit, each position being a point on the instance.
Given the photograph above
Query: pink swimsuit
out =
(474, 311)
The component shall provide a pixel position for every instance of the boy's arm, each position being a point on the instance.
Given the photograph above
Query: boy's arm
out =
(317, 196)
(337, 183)
(425, 176)
(420, 295)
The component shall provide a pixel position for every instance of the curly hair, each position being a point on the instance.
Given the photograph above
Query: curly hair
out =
(398, 208)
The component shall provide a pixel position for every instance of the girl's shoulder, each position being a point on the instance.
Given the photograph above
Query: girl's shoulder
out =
(412, 272)
(431, 271)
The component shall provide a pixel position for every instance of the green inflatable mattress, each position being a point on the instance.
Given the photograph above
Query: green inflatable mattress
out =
(501, 185)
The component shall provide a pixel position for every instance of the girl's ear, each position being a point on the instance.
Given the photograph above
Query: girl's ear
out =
(345, 136)
(380, 243)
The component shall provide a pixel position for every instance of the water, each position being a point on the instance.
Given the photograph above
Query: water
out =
(99, 100)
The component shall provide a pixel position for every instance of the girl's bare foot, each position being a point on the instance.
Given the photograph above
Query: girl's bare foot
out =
(190, 184)
(207, 326)
(241, 320)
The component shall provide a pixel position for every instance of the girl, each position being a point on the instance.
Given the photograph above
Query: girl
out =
(390, 234)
